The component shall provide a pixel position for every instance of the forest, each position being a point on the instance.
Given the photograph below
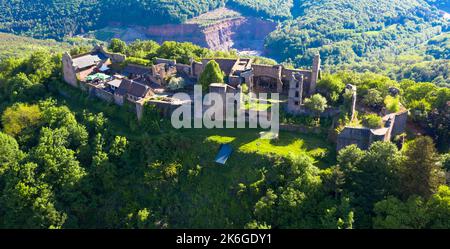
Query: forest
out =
(71, 161)
(59, 18)
(401, 38)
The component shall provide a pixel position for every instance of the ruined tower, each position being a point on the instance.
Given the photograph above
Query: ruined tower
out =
(315, 74)
(69, 72)
(352, 89)
(295, 93)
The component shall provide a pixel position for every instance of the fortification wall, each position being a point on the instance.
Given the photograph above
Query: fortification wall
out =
(399, 124)
(115, 57)
(69, 73)
(267, 70)
(354, 135)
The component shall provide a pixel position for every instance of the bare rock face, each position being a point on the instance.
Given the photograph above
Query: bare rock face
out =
(240, 33)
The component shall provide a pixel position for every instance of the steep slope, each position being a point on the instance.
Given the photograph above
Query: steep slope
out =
(271, 9)
(58, 18)
(221, 29)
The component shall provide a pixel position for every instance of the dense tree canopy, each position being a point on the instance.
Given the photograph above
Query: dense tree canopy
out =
(71, 161)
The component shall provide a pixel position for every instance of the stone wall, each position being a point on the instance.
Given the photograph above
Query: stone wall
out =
(104, 95)
(354, 135)
(115, 57)
(301, 129)
(69, 72)
(399, 124)
(118, 99)
(267, 70)
(184, 69)
(364, 137)
(165, 61)
(328, 113)
(165, 108)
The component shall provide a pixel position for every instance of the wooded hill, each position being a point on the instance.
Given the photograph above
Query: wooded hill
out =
(399, 38)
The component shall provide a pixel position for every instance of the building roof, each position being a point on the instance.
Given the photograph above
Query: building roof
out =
(133, 88)
(87, 60)
(114, 82)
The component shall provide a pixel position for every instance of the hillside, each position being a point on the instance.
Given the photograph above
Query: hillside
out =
(398, 38)
(69, 160)
(21, 46)
(343, 31)
(58, 18)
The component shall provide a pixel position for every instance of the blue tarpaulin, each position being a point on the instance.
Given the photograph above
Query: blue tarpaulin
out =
(224, 153)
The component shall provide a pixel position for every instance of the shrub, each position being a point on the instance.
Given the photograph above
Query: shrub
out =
(211, 74)
(117, 46)
(331, 87)
(138, 61)
(373, 98)
(392, 103)
(372, 121)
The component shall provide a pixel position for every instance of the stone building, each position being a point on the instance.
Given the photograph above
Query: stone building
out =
(295, 93)
(150, 80)
(263, 78)
(77, 68)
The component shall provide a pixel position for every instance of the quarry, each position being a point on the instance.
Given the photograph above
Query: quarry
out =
(221, 30)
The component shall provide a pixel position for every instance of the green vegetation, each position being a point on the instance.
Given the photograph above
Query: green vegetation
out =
(145, 52)
(384, 172)
(211, 74)
(372, 121)
(364, 30)
(138, 61)
(383, 36)
(317, 104)
(331, 87)
(272, 9)
(57, 19)
(117, 46)
(70, 161)
(19, 46)
(392, 103)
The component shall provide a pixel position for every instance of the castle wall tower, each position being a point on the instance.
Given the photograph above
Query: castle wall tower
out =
(69, 72)
(295, 93)
(315, 74)
(279, 82)
(248, 78)
(352, 89)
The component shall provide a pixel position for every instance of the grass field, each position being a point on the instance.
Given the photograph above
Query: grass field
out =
(248, 141)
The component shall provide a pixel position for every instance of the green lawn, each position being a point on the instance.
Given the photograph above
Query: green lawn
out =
(248, 141)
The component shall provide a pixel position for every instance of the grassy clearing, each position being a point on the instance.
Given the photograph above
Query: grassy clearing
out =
(248, 141)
